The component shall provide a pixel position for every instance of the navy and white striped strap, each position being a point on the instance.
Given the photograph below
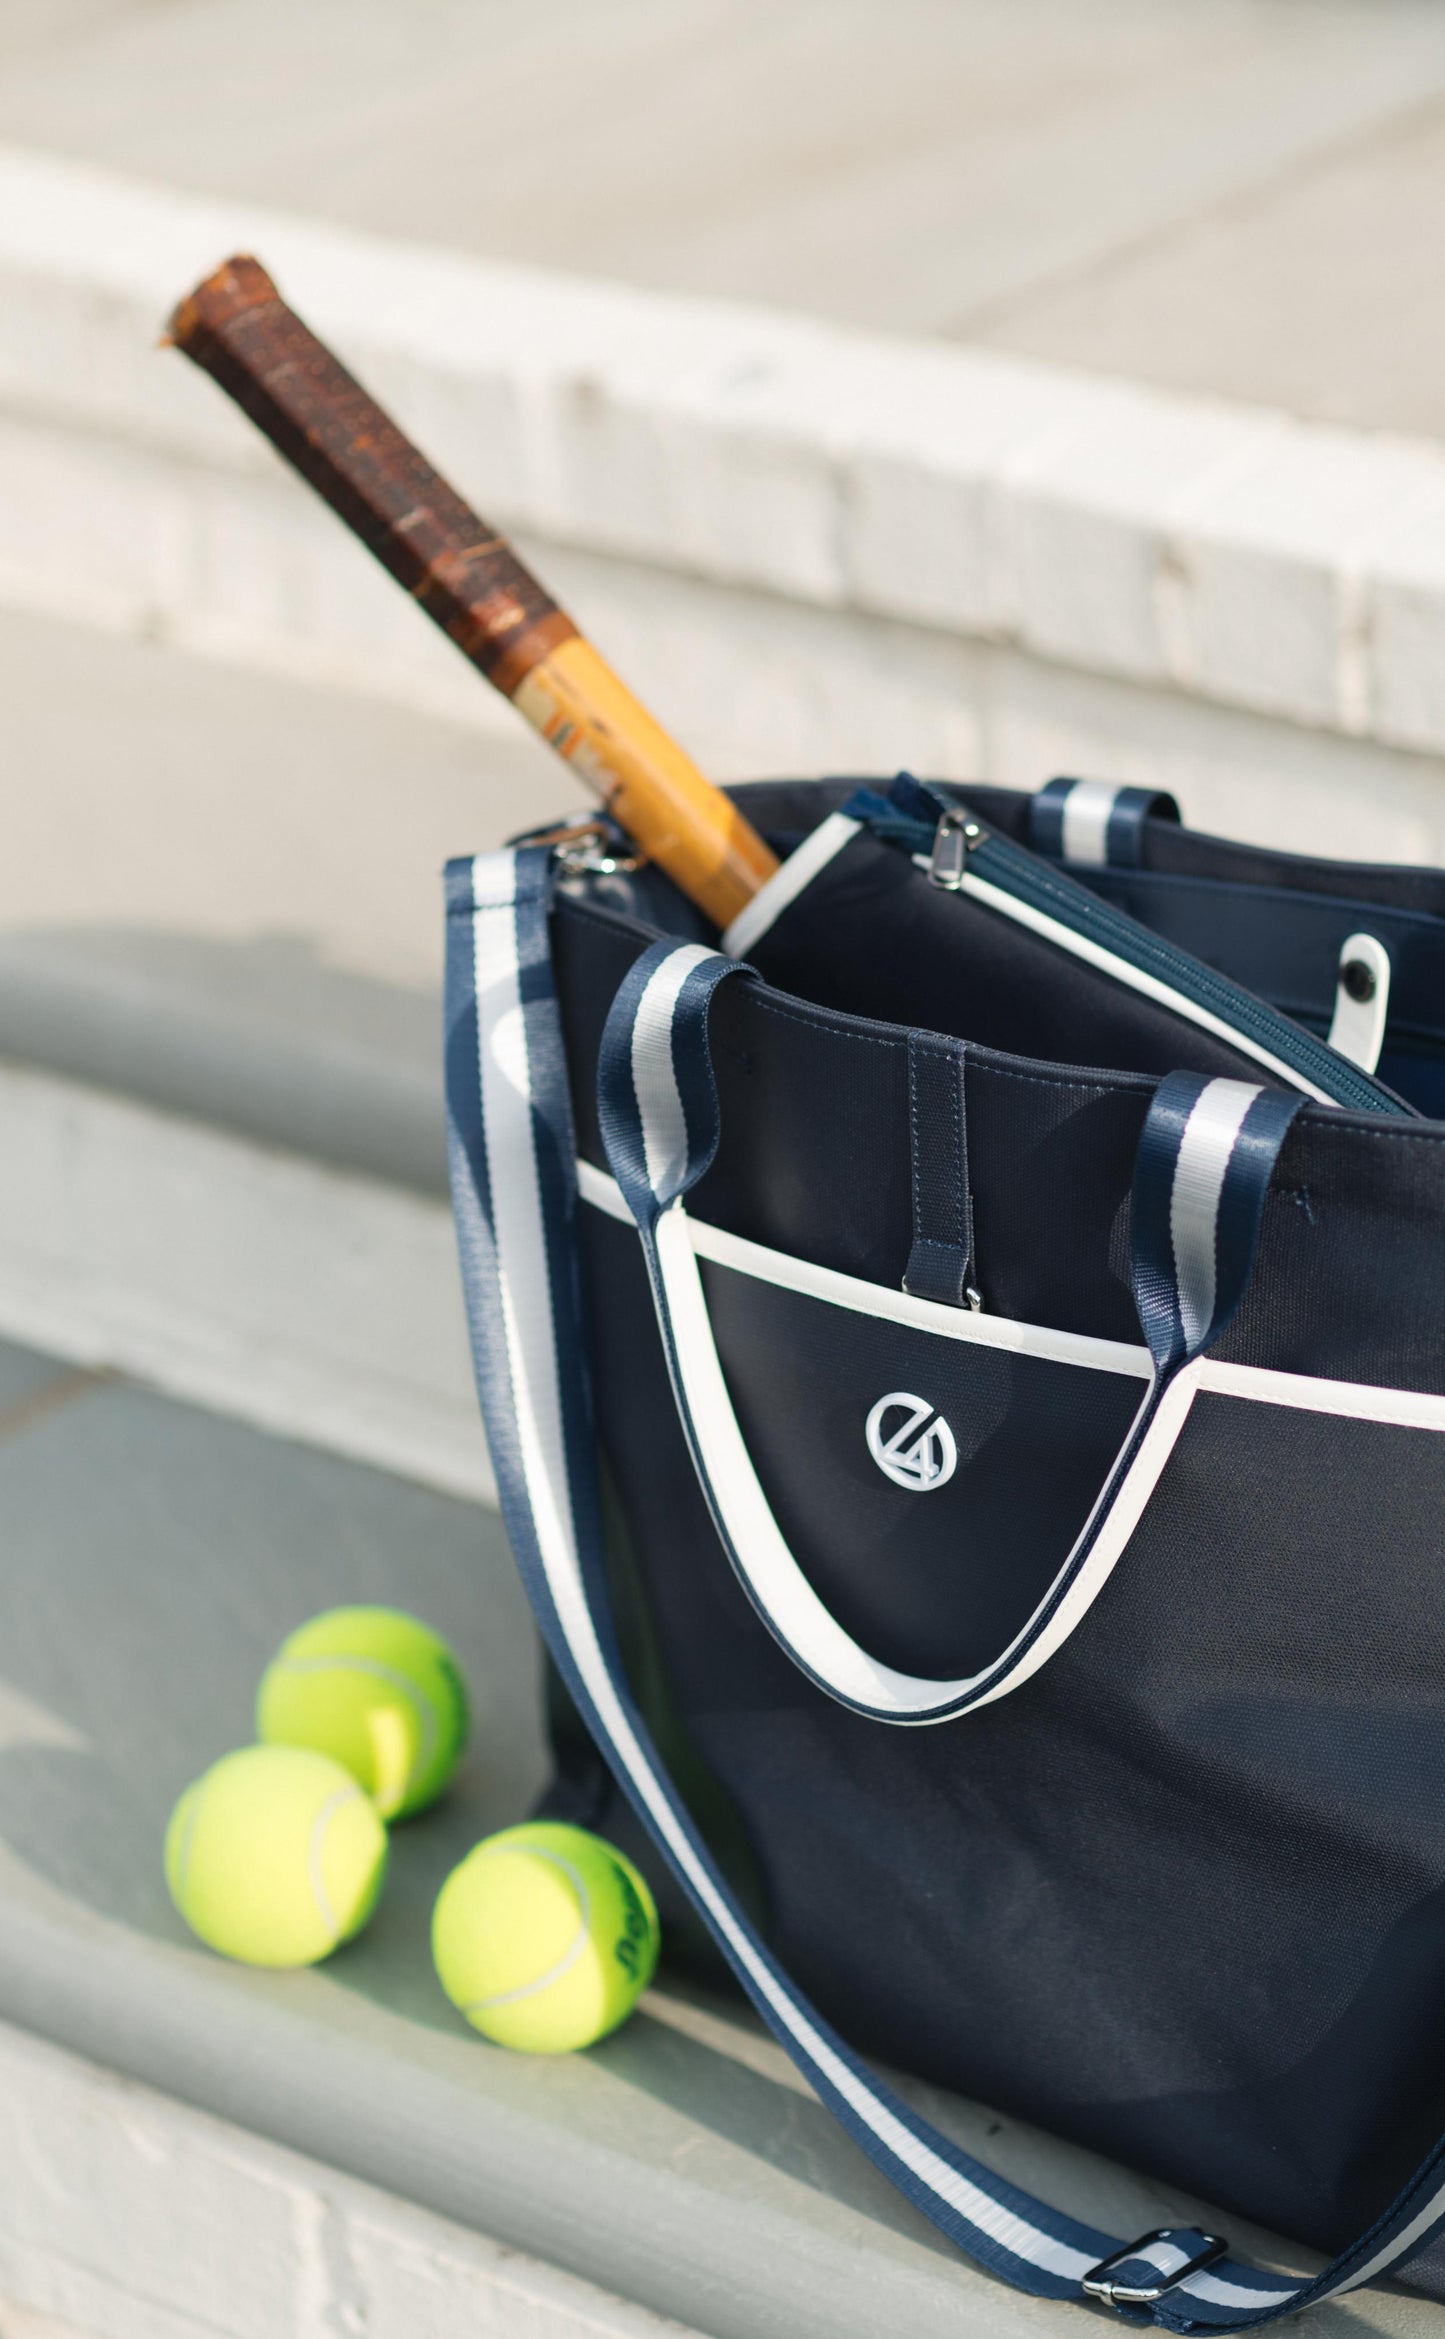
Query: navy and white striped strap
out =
(1095, 822)
(1202, 1171)
(514, 1190)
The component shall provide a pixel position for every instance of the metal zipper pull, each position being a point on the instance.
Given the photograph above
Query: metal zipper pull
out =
(957, 835)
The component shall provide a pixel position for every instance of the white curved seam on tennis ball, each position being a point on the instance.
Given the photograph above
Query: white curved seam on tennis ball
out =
(569, 1955)
(430, 1720)
(319, 1825)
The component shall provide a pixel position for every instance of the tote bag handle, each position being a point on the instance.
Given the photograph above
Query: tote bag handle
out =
(515, 1197)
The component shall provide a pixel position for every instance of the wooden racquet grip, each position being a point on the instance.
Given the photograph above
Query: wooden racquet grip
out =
(469, 581)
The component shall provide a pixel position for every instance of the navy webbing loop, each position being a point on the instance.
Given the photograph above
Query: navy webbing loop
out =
(1202, 1171)
(1096, 822)
(941, 1252)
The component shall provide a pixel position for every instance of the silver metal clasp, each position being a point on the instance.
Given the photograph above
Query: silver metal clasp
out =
(1101, 2282)
(957, 835)
(587, 848)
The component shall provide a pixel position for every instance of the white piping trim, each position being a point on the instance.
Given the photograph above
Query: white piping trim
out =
(779, 1585)
(1133, 977)
(1304, 1393)
(876, 1299)
(795, 875)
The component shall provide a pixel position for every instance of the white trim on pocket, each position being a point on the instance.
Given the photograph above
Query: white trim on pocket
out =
(879, 1299)
(776, 1582)
(1304, 1393)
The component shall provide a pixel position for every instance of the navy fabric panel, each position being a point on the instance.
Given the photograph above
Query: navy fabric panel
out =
(934, 1582)
(1290, 2068)
(1195, 1749)
(948, 963)
(814, 1159)
(942, 1247)
(1286, 945)
(1270, 920)
(1168, 846)
(1416, 1074)
(989, 1870)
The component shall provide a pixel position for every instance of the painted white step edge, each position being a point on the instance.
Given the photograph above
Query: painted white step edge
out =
(1232, 554)
(322, 1306)
(127, 2215)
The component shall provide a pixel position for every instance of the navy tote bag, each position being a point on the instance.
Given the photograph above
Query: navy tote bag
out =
(964, 1381)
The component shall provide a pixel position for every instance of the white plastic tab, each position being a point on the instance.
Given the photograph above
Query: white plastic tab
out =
(1362, 1001)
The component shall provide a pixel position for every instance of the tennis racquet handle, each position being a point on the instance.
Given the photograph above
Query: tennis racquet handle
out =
(469, 581)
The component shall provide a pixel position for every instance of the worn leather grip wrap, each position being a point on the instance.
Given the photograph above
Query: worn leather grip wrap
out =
(470, 582)
(239, 330)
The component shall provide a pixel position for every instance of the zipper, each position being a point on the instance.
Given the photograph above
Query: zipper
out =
(961, 855)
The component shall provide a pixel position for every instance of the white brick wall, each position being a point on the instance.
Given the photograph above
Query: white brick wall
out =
(125, 2215)
(809, 545)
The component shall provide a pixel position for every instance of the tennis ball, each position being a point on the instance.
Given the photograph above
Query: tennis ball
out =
(377, 1690)
(274, 1855)
(545, 1937)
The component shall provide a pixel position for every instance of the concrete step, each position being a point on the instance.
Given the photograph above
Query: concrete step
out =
(191, 2147)
(221, 892)
(1148, 185)
(220, 940)
(808, 547)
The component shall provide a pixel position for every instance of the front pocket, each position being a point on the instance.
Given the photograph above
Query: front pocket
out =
(929, 1482)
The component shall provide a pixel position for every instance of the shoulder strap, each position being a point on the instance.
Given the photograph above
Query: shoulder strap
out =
(515, 1197)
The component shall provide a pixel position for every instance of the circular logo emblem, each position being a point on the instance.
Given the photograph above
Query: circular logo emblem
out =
(911, 1443)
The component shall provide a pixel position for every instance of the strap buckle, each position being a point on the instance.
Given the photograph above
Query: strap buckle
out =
(586, 848)
(1102, 2281)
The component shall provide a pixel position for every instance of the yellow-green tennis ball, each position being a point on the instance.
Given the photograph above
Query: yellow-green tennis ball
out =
(380, 1692)
(545, 1937)
(275, 1856)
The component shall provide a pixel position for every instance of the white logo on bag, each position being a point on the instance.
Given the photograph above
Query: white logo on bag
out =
(918, 1452)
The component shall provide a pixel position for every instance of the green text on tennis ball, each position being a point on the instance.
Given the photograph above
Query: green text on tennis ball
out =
(275, 1855)
(545, 1937)
(380, 1692)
